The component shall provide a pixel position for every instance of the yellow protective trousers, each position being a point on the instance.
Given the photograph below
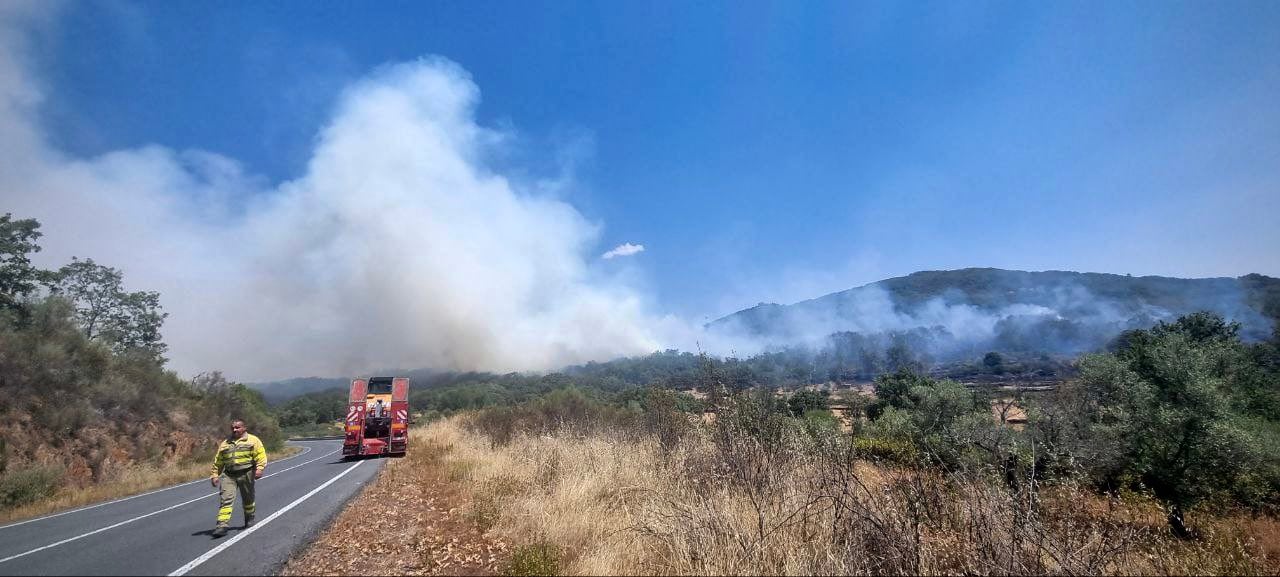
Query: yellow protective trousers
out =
(229, 483)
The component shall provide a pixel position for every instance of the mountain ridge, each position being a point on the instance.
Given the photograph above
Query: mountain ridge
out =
(949, 314)
(947, 297)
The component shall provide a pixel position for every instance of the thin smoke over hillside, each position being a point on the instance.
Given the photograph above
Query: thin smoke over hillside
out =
(950, 314)
(398, 246)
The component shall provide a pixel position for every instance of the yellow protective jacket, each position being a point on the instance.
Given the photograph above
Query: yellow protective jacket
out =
(236, 455)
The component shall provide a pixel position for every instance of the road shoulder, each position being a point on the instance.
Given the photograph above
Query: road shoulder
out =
(409, 521)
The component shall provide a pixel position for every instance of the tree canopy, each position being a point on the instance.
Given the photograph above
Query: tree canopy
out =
(18, 277)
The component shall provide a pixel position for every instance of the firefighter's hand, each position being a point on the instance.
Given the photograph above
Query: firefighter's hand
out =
(257, 474)
(213, 481)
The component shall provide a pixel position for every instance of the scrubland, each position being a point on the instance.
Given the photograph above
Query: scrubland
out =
(584, 498)
(1160, 459)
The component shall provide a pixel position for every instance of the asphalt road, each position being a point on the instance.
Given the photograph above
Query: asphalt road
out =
(166, 532)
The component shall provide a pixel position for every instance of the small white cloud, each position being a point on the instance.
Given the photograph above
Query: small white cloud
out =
(624, 249)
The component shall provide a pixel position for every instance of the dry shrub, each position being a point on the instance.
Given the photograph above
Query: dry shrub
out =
(564, 412)
(490, 498)
(749, 495)
(29, 485)
(539, 558)
(1264, 533)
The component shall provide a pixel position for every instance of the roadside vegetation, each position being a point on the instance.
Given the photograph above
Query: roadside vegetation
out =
(87, 409)
(315, 414)
(1161, 458)
(130, 481)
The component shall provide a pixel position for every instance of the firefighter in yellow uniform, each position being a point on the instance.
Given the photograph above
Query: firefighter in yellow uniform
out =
(240, 460)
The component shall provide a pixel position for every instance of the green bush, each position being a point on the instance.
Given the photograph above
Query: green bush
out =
(819, 422)
(802, 402)
(29, 485)
(884, 450)
(63, 421)
(537, 559)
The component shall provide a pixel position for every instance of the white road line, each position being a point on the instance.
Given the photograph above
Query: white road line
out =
(220, 548)
(3, 527)
(140, 517)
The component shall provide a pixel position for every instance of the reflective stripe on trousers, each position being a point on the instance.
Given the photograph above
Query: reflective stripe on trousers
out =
(229, 484)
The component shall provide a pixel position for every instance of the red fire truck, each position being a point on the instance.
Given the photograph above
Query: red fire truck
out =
(377, 417)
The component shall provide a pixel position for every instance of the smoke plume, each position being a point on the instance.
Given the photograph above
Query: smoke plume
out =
(398, 246)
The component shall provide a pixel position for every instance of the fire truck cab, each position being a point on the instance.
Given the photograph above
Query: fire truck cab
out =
(377, 417)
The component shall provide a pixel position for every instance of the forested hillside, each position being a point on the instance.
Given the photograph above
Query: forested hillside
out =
(954, 314)
(1017, 350)
(84, 395)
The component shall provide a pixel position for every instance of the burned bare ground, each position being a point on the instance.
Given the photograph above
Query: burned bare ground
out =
(409, 521)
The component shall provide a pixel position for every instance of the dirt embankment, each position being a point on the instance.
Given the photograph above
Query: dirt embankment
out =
(98, 452)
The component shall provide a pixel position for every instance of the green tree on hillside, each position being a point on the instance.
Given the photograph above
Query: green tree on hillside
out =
(903, 356)
(18, 277)
(82, 374)
(220, 400)
(107, 312)
(805, 400)
(313, 408)
(893, 390)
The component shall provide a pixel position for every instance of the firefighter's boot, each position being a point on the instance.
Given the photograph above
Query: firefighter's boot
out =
(219, 531)
(246, 493)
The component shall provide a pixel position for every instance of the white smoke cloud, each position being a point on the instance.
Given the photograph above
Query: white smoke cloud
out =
(625, 249)
(396, 248)
(869, 309)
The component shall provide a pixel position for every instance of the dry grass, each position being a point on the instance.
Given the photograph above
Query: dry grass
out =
(575, 494)
(621, 505)
(129, 481)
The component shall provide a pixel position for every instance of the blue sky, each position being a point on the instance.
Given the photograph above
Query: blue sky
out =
(835, 143)
(758, 151)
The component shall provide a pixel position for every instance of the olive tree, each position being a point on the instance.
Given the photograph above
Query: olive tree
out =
(128, 321)
(1160, 418)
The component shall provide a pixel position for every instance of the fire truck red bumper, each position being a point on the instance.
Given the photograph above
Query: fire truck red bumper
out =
(368, 447)
(374, 446)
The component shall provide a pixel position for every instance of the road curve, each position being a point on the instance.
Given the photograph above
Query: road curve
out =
(166, 532)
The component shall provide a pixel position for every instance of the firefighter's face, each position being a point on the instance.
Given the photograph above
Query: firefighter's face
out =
(237, 428)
